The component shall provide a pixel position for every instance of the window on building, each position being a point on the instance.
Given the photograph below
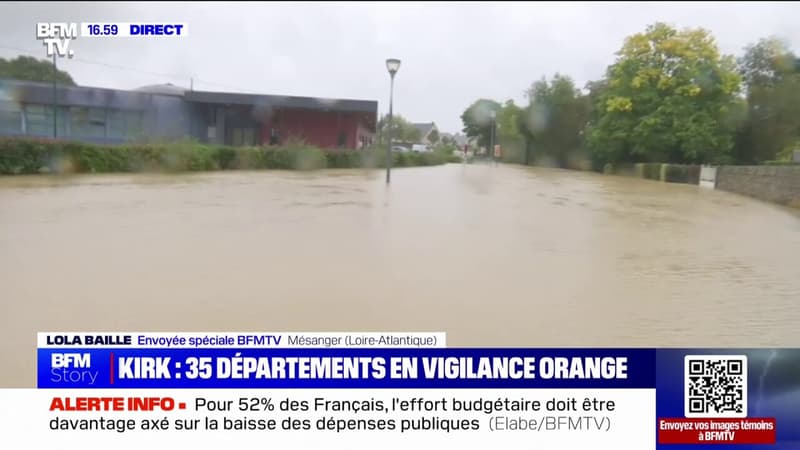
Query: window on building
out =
(10, 117)
(342, 140)
(39, 120)
(87, 122)
(117, 124)
(124, 124)
(243, 136)
(63, 121)
(135, 120)
(248, 137)
(236, 136)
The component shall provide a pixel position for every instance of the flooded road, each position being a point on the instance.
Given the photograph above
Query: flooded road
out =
(501, 256)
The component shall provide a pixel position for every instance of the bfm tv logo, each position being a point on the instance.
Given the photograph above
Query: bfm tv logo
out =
(56, 37)
(72, 368)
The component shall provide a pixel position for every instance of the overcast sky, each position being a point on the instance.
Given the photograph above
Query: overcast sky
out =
(451, 53)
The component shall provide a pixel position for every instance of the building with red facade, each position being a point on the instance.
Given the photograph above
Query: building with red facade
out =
(244, 119)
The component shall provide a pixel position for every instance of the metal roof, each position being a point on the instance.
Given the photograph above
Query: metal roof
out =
(322, 104)
(36, 92)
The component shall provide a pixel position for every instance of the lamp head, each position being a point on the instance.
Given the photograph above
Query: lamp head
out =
(392, 65)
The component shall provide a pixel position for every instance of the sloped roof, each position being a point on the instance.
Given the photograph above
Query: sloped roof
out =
(424, 128)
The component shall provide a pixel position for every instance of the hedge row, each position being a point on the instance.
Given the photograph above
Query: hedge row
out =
(30, 156)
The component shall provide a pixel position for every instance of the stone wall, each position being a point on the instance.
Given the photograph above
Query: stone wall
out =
(779, 184)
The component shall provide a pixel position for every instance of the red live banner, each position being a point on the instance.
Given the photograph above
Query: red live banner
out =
(716, 431)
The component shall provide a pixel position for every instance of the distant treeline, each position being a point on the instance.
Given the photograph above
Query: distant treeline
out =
(670, 97)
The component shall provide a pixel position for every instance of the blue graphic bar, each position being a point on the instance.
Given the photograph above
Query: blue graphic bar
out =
(126, 368)
(745, 398)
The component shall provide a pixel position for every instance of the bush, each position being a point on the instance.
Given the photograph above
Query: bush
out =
(302, 156)
(246, 158)
(373, 157)
(225, 157)
(432, 159)
(344, 159)
(445, 149)
(26, 156)
(31, 156)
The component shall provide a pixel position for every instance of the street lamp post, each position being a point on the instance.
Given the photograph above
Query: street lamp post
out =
(392, 65)
(493, 115)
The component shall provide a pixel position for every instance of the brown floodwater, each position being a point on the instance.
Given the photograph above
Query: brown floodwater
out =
(500, 256)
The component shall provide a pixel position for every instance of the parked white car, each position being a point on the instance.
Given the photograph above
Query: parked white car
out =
(421, 148)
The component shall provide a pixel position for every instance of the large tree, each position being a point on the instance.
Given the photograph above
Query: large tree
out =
(772, 83)
(554, 120)
(402, 129)
(477, 119)
(669, 98)
(31, 69)
(508, 133)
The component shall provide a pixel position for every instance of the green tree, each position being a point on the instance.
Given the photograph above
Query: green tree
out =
(433, 136)
(402, 130)
(596, 94)
(772, 83)
(508, 133)
(477, 120)
(508, 119)
(554, 121)
(31, 69)
(669, 98)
